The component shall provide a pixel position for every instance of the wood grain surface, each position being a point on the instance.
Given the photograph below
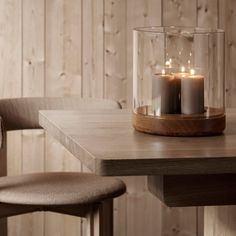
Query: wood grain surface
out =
(194, 190)
(180, 125)
(105, 141)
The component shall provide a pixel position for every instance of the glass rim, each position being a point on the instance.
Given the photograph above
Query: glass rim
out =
(176, 29)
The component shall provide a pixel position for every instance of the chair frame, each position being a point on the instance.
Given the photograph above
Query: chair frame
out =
(99, 215)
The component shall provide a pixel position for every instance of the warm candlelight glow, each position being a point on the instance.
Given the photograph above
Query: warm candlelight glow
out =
(192, 72)
(163, 71)
(168, 62)
(182, 69)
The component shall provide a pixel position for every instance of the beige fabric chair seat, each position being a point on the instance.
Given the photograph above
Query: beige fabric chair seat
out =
(58, 188)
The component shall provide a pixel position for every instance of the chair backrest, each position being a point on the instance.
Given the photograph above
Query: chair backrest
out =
(22, 113)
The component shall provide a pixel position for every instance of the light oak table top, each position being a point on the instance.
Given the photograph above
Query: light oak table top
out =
(105, 141)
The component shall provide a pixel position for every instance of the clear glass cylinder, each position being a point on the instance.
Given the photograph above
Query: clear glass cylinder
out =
(178, 72)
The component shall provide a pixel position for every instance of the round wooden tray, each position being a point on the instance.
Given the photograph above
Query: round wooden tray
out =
(206, 124)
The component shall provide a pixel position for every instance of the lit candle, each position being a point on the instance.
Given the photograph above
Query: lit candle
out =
(192, 93)
(181, 74)
(165, 93)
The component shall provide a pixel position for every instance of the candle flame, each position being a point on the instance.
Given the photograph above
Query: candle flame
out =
(168, 62)
(182, 69)
(192, 72)
(163, 71)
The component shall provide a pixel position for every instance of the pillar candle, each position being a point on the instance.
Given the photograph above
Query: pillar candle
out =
(192, 94)
(165, 94)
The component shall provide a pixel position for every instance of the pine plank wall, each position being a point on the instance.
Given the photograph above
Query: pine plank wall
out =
(84, 48)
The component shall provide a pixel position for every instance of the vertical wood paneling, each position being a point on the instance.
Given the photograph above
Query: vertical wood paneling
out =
(220, 221)
(93, 48)
(179, 12)
(207, 13)
(120, 216)
(139, 221)
(33, 46)
(115, 51)
(14, 150)
(11, 49)
(179, 221)
(227, 22)
(32, 151)
(63, 48)
(11, 71)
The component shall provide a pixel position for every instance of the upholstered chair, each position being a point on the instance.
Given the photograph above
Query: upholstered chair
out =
(78, 194)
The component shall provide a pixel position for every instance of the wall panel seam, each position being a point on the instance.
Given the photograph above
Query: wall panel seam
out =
(82, 49)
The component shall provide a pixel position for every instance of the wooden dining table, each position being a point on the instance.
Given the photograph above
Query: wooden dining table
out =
(182, 171)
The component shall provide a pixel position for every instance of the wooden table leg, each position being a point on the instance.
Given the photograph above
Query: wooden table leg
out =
(200, 190)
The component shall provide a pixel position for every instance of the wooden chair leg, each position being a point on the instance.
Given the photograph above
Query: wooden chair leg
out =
(3, 172)
(100, 219)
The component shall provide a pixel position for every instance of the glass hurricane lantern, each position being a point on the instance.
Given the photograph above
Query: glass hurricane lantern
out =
(178, 81)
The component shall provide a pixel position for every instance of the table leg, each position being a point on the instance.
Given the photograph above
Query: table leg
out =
(200, 190)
